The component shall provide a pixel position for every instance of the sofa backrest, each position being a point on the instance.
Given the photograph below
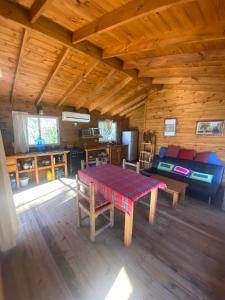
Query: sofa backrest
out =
(216, 170)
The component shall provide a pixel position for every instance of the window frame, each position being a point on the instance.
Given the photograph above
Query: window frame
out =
(106, 141)
(39, 127)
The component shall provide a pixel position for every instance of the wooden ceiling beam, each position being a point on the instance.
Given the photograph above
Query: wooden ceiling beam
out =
(132, 112)
(19, 61)
(131, 11)
(130, 102)
(20, 15)
(77, 82)
(99, 88)
(112, 93)
(37, 9)
(124, 113)
(190, 80)
(202, 34)
(120, 99)
(201, 88)
(186, 71)
(176, 59)
(52, 74)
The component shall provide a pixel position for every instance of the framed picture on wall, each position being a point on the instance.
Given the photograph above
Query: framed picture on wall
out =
(170, 127)
(210, 128)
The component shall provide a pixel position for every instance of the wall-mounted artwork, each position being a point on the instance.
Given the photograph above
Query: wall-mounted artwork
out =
(211, 128)
(170, 127)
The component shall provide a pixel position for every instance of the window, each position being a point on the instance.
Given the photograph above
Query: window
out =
(108, 130)
(45, 127)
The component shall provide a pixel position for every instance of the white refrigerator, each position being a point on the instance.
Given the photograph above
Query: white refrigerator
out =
(130, 138)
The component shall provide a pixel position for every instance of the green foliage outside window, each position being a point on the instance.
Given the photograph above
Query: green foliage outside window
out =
(44, 127)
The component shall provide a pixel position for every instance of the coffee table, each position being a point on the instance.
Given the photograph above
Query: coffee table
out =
(174, 187)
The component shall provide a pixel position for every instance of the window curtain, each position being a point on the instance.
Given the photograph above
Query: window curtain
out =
(8, 219)
(21, 143)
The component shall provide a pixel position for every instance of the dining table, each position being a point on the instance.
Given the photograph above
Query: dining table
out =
(123, 187)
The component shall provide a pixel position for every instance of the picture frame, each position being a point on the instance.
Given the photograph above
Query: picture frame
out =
(210, 128)
(170, 127)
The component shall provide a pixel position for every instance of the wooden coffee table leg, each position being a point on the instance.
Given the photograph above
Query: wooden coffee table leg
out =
(128, 227)
(153, 204)
(182, 195)
(175, 199)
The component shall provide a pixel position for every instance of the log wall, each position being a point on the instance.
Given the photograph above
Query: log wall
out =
(188, 107)
(69, 134)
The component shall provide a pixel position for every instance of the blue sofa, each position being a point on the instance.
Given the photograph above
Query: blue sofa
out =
(208, 191)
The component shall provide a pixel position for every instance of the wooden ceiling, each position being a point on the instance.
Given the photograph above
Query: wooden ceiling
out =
(108, 55)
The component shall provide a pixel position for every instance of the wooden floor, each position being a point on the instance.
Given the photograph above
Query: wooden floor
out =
(181, 257)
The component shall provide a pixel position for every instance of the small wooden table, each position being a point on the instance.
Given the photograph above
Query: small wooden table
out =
(174, 187)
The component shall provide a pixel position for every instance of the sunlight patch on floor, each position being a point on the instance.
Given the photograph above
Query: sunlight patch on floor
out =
(121, 288)
(42, 193)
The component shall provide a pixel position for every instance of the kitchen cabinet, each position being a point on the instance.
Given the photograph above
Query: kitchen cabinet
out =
(117, 153)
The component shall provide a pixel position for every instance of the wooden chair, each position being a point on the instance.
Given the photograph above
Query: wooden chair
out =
(84, 165)
(136, 166)
(93, 204)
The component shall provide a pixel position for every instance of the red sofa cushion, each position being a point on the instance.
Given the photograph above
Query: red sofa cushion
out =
(187, 154)
(172, 151)
(202, 156)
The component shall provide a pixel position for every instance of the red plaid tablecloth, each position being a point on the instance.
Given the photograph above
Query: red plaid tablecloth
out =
(120, 186)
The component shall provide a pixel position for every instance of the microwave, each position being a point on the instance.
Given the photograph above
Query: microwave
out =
(86, 132)
(95, 131)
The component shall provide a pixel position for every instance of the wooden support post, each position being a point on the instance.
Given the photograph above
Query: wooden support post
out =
(153, 204)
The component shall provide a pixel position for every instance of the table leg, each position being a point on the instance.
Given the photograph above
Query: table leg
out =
(153, 204)
(128, 227)
(17, 179)
(175, 199)
(182, 195)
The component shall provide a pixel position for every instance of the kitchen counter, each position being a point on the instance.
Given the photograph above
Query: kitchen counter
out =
(116, 153)
(36, 153)
(14, 161)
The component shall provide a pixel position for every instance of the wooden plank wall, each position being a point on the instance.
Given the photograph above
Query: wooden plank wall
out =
(137, 123)
(188, 107)
(69, 134)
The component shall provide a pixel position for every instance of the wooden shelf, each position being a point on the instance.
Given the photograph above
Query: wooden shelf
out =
(59, 165)
(26, 171)
(44, 168)
(12, 164)
(92, 137)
